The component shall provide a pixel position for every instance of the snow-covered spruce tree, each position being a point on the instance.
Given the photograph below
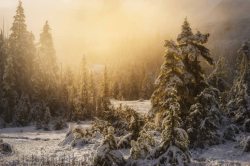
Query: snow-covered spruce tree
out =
(106, 153)
(22, 49)
(9, 93)
(173, 149)
(192, 49)
(239, 105)
(172, 73)
(204, 119)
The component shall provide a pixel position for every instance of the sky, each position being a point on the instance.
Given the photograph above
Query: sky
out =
(99, 27)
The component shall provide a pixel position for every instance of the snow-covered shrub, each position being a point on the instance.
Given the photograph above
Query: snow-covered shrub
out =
(5, 148)
(125, 141)
(142, 147)
(60, 124)
(124, 120)
(107, 154)
(204, 119)
(78, 137)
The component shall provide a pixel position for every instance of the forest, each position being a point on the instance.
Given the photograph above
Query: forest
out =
(191, 103)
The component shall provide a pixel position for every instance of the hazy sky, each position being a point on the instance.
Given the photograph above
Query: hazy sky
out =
(97, 26)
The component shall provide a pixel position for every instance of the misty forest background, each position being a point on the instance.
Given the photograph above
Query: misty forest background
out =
(189, 85)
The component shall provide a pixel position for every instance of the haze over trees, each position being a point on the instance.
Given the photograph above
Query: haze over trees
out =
(192, 108)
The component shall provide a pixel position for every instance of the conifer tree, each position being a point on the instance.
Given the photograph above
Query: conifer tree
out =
(48, 71)
(105, 95)
(133, 86)
(93, 92)
(9, 93)
(205, 119)
(239, 105)
(85, 99)
(47, 52)
(173, 149)
(3, 54)
(192, 49)
(22, 50)
(3, 57)
(216, 78)
(115, 89)
(171, 74)
(22, 111)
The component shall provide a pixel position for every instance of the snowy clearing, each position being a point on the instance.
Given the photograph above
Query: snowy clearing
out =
(139, 106)
(27, 141)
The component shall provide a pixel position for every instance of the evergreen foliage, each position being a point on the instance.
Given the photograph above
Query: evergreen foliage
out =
(238, 105)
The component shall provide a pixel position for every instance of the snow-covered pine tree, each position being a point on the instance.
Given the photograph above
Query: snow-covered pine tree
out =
(22, 50)
(239, 105)
(204, 119)
(9, 93)
(172, 73)
(192, 49)
(173, 149)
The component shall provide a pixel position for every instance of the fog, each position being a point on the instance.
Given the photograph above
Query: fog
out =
(100, 28)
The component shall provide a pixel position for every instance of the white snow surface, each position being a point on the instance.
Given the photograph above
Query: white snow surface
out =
(28, 141)
(140, 106)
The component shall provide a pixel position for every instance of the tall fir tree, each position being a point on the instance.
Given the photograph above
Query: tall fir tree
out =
(46, 73)
(171, 74)
(22, 50)
(192, 49)
(47, 52)
(239, 105)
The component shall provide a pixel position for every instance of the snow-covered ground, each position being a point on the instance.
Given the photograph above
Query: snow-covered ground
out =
(140, 106)
(28, 142)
